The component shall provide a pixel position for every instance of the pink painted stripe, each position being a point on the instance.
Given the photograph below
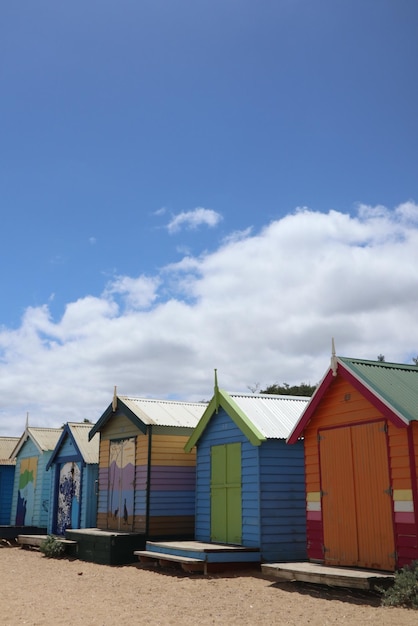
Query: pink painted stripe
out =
(404, 518)
(314, 516)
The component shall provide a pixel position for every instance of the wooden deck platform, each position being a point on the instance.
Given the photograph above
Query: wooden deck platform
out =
(35, 541)
(197, 556)
(324, 575)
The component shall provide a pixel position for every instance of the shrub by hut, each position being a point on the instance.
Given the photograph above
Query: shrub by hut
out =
(74, 465)
(360, 431)
(32, 483)
(250, 487)
(7, 473)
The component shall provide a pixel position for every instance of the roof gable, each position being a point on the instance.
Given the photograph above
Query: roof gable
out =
(146, 412)
(44, 439)
(87, 449)
(390, 387)
(259, 417)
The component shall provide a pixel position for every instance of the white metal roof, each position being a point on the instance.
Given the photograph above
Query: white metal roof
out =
(43, 438)
(273, 415)
(165, 412)
(89, 449)
(7, 445)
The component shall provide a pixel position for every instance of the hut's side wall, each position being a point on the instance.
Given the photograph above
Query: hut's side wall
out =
(141, 481)
(164, 501)
(7, 473)
(37, 509)
(222, 430)
(282, 489)
(172, 487)
(403, 450)
(103, 483)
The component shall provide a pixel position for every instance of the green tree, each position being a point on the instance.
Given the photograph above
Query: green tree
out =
(304, 389)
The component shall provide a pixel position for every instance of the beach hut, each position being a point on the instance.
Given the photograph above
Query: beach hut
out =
(7, 473)
(250, 486)
(360, 432)
(32, 483)
(146, 480)
(74, 465)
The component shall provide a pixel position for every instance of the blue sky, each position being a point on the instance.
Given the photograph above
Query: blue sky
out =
(158, 158)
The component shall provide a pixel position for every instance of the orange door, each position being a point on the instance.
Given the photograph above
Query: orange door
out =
(356, 502)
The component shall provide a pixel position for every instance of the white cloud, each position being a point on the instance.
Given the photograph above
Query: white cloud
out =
(262, 308)
(193, 219)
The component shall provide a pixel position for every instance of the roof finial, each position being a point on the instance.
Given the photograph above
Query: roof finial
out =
(334, 363)
(216, 391)
(115, 400)
(27, 420)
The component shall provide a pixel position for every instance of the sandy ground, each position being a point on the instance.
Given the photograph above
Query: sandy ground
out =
(40, 591)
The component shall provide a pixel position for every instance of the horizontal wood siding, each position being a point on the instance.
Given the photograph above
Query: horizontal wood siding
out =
(250, 491)
(54, 497)
(283, 503)
(44, 497)
(27, 451)
(7, 474)
(222, 430)
(103, 483)
(171, 526)
(141, 483)
(42, 494)
(88, 495)
(169, 450)
(403, 482)
(172, 486)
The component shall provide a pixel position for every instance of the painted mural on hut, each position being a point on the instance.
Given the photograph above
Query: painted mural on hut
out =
(26, 492)
(121, 484)
(68, 508)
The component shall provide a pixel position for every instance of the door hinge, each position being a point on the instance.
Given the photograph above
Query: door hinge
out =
(324, 549)
(319, 437)
(323, 493)
(384, 428)
(394, 555)
(389, 491)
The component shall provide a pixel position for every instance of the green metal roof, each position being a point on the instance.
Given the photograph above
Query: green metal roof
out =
(396, 384)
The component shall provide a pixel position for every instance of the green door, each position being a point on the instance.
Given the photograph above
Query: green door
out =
(226, 508)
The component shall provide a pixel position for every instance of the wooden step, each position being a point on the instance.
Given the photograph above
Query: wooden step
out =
(37, 540)
(189, 564)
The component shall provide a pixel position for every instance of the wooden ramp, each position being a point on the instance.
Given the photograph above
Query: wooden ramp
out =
(197, 556)
(322, 575)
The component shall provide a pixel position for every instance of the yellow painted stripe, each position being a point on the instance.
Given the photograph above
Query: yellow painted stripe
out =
(313, 496)
(404, 495)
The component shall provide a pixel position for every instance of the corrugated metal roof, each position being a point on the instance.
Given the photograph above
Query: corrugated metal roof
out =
(273, 415)
(395, 383)
(43, 438)
(165, 412)
(7, 445)
(88, 449)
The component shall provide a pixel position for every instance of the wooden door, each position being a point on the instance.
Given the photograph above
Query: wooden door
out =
(121, 491)
(226, 506)
(68, 497)
(356, 497)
